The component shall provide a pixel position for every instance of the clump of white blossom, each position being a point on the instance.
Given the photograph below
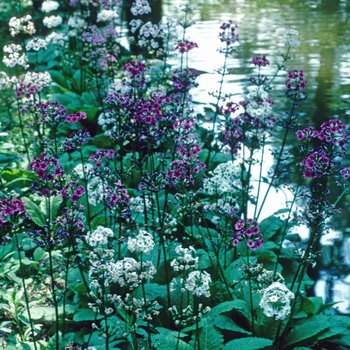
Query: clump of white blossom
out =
(94, 185)
(105, 15)
(21, 25)
(223, 179)
(36, 44)
(140, 7)
(6, 82)
(142, 243)
(275, 301)
(138, 204)
(13, 56)
(58, 39)
(49, 5)
(100, 235)
(259, 104)
(197, 282)
(289, 40)
(185, 259)
(52, 21)
(39, 80)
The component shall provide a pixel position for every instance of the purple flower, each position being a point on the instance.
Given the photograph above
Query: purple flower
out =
(260, 61)
(185, 46)
(247, 230)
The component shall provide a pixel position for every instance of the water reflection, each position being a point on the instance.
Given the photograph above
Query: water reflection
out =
(324, 33)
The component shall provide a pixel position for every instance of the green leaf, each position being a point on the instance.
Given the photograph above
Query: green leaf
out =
(224, 322)
(168, 340)
(209, 336)
(271, 227)
(305, 331)
(228, 306)
(55, 203)
(34, 212)
(250, 343)
(59, 79)
(86, 315)
(51, 345)
(39, 254)
(102, 141)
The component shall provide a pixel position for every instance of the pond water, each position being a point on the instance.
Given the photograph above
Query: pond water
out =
(324, 56)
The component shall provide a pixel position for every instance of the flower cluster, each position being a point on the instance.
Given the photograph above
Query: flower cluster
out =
(75, 117)
(260, 61)
(73, 191)
(142, 243)
(275, 301)
(50, 174)
(295, 83)
(247, 230)
(49, 5)
(184, 79)
(21, 25)
(224, 179)
(52, 21)
(13, 56)
(185, 259)
(11, 210)
(185, 46)
(99, 236)
(36, 44)
(289, 40)
(259, 105)
(33, 82)
(105, 15)
(140, 7)
(76, 141)
(317, 164)
(197, 282)
(228, 36)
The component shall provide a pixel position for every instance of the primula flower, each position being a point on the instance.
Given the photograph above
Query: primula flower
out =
(260, 61)
(198, 282)
(185, 46)
(275, 301)
(52, 21)
(247, 230)
(99, 236)
(142, 243)
(21, 25)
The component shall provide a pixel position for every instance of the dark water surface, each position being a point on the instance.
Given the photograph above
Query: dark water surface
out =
(324, 56)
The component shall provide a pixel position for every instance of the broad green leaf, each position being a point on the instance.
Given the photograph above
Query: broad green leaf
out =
(209, 336)
(59, 78)
(168, 340)
(225, 322)
(102, 141)
(271, 227)
(39, 254)
(250, 343)
(86, 315)
(228, 306)
(305, 331)
(34, 212)
(51, 345)
(54, 205)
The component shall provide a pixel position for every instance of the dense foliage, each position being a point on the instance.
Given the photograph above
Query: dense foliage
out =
(127, 220)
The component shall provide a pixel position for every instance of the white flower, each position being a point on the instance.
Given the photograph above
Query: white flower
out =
(38, 80)
(224, 179)
(140, 7)
(21, 25)
(276, 301)
(36, 44)
(52, 21)
(105, 15)
(185, 259)
(57, 39)
(100, 235)
(197, 282)
(14, 57)
(49, 5)
(143, 242)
